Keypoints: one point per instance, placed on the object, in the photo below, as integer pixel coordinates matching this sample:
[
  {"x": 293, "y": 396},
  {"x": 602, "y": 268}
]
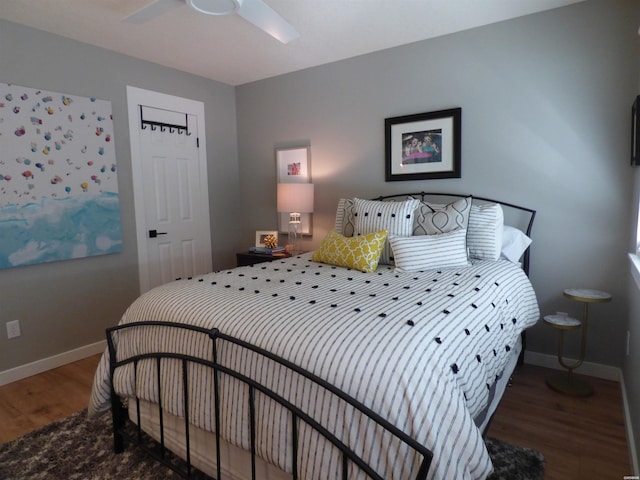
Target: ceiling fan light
[{"x": 215, "y": 7}]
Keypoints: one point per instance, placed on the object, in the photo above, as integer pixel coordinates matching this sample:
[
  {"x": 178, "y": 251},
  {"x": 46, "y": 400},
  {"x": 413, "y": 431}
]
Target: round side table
[{"x": 568, "y": 383}]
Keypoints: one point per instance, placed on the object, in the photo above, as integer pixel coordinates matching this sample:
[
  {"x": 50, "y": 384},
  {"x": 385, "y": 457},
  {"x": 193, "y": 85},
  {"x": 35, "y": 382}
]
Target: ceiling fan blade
[
  {"x": 265, "y": 18},
  {"x": 153, "y": 10}
]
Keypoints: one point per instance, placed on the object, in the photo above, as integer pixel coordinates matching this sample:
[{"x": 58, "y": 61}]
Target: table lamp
[{"x": 295, "y": 199}]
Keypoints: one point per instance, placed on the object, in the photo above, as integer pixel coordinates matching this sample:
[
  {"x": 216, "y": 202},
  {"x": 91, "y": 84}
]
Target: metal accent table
[{"x": 568, "y": 384}]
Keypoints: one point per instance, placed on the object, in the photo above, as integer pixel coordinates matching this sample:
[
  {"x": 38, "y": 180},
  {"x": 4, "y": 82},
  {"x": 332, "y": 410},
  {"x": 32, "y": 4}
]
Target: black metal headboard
[{"x": 529, "y": 213}]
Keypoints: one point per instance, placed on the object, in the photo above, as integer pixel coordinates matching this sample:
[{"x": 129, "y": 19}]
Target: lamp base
[{"x": 294, "y": 226}]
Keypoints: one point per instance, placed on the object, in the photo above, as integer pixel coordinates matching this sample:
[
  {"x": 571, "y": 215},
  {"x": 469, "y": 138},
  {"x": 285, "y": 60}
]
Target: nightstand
[{"x": 251, "y": 258}]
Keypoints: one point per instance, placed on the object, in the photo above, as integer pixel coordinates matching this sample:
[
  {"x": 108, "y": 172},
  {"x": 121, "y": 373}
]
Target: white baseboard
[
  {"x": 597, "y": 370},
  {"x": 39, "y": 366}
]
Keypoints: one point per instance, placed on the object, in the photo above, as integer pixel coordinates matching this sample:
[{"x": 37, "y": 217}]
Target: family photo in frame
[{"x": 423, "y": 146}]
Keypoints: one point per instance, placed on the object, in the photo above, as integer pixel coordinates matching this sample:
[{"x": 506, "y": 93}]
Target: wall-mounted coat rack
[{"x": 157, "y": 118}]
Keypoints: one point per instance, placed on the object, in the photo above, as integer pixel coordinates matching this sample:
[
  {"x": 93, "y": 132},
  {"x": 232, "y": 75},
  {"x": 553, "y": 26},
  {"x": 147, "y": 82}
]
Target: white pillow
[
  {"x": 484, "y": 236},
  {"x": 514, "y": 243},
  {"x": 395, "y": 217},
  {"x": 430, "y": 252}
]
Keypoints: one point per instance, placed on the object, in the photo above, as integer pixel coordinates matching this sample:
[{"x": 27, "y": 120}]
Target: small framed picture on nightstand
[{"x": 261, "y": 236}]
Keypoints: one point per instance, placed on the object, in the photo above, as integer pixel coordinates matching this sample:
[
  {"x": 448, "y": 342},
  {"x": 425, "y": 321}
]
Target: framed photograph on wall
[
  {"x": 293, "y": 167},
  {"x": 423, "y": 146},
  {"x": 635, "y": 117}
]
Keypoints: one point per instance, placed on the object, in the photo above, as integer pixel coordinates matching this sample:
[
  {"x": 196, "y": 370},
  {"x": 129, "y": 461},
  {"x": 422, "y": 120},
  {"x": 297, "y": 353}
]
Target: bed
[{"x": 379, "y": 355}]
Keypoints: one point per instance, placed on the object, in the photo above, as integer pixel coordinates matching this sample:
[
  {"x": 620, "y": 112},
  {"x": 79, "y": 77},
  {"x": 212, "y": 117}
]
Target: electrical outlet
[{"x": 13, "y": 329}]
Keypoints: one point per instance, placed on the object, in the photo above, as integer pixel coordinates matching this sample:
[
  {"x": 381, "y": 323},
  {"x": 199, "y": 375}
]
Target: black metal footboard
[{"x": 349, "y": 458}]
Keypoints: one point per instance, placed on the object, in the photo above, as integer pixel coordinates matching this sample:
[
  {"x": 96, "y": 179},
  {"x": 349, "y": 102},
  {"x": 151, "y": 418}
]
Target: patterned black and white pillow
[
  {"x": 394, "y": 217},
  {"x": 433, "y": 218},
  {"x": 484, "y": 236},
  {"x": 430, "y": 252}
]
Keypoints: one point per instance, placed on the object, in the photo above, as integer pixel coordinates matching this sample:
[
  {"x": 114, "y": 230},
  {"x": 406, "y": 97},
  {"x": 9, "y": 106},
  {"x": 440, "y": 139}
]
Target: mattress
[{"x": 421, "y": 349}]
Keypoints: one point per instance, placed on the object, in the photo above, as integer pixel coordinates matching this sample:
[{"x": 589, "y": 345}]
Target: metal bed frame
[
  {"x": 120, "y": 418},
  {"x": 349, "y": 457}
]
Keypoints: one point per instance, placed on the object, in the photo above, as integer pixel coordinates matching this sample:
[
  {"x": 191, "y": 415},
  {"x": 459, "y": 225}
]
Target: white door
[{"x": 170, "y": 188}]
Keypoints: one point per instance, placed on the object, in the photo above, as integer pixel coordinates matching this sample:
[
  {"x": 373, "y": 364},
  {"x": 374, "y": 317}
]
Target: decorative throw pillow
[
  {"x": 395, "y": 217},
  {"x": 345, "y": 222},
  {"x": 514, "y": 243},
  {"x": 433, "y": 218},
  {"x": 360, "y": 253},
  {"x": 484, "y": 236},
  {"x": 430, "y": 252}
]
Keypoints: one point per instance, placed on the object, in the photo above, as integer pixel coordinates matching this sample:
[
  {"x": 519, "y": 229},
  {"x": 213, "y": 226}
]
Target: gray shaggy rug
[{"x": 76, "y": 448}]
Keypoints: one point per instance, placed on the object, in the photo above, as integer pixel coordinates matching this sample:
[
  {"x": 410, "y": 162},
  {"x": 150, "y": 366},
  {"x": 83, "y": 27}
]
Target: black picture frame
[
  {"x": 635, "y": 123},
  {"x": 423, "y": 146}
]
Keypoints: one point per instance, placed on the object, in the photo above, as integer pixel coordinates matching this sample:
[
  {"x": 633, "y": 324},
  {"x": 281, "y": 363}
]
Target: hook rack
[{"x": 180, "y": 129}]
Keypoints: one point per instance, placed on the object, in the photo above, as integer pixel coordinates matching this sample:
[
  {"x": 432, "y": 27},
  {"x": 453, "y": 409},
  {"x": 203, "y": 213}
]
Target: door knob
[{"x": 155, "y": 233}]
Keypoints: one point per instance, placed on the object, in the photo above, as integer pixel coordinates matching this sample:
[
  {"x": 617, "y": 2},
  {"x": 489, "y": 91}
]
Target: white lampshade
[{"x": 295, "y": 197}]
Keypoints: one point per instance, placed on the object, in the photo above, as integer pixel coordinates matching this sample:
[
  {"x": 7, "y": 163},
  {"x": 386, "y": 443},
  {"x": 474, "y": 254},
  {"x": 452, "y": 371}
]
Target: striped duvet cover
[{"x": 421, "y": 349}]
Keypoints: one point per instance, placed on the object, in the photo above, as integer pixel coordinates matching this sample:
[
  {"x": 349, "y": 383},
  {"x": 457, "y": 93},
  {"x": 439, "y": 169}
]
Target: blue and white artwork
[{"x": 58, "y": 177}]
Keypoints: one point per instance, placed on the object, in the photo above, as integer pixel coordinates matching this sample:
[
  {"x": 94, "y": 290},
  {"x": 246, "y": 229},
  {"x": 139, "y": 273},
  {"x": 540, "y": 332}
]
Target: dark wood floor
[{"x": 581, "y": 438}]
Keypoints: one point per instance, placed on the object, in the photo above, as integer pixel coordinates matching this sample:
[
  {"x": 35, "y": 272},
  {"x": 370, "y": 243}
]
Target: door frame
[{"x": 135, "y": 97}]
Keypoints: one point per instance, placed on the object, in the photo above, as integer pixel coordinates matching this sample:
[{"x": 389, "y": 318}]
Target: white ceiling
[{"x": 231, "y": 50}]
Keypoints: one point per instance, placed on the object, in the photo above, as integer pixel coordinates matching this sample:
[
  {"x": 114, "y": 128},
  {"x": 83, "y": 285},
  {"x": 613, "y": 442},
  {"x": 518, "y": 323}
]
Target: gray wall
[
  {"x": 545, "y": 123},
  {"x": 66, "y": 305}
]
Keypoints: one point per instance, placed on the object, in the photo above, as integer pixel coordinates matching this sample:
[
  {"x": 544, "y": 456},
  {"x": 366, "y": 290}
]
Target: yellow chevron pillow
[{"x": 360, "y": 253}]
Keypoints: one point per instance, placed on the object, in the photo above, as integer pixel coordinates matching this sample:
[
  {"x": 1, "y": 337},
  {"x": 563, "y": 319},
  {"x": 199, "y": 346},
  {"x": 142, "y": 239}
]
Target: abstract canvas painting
[{"x": 58, "y": 177}]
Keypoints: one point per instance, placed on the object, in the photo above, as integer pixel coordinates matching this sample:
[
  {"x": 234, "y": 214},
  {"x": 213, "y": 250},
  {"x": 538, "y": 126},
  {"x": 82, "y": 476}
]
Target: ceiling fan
[{"x": 254, "y": 11}]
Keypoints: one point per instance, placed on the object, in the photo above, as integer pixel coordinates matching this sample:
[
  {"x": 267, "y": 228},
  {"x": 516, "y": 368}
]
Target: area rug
[
  {"x": 511, "y": 462},
  {"x": 76, "y": 448}
]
